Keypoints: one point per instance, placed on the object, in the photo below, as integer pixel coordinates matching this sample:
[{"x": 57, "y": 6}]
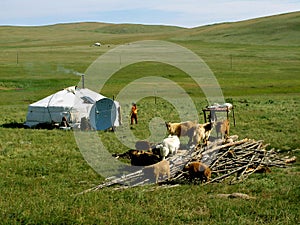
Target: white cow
[{"x": 170, "y": 145}]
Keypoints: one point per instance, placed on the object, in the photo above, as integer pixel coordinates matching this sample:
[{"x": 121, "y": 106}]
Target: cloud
[
  {"x": 187, "y": 13},
  {"x": 194, "y": 12}
]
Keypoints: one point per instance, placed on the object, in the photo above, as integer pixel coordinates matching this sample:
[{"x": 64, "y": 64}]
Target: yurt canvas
[{"x": 74, "y": 104}]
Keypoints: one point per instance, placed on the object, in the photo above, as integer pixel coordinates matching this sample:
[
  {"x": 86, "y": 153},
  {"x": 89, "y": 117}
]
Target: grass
[
  {"x": 43, "y": 170},
  {"x": 279, "y": 30}
]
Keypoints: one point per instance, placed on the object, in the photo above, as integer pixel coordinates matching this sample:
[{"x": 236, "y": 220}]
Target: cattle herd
[
  {"x": 177, "y": 160},
  {"x": 153, "y": 156}
]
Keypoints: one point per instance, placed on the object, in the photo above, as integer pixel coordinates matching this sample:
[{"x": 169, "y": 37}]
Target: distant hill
[
  {"x": 82, "y": 33},
  {"x": 281, "y": 29}
]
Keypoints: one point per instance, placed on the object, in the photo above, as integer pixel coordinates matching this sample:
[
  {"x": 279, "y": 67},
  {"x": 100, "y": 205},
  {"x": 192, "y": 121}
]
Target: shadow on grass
[
  {"x": 47, "y": 126},
  {"x": 13, "y": 125}
]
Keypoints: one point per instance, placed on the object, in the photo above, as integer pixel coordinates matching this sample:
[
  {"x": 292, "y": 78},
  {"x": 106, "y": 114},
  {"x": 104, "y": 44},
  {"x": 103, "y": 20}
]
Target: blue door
[{"x": 105, "y": 114}]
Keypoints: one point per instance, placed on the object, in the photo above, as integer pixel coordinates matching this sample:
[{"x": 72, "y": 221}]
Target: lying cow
[
  {"x": 182, "y": 129},
  {"x": 160, "y": 168},
  {"x": 198, "y": 170},
  {"x": 139, "y": 158},
  {"x": 169, "y": 146}
]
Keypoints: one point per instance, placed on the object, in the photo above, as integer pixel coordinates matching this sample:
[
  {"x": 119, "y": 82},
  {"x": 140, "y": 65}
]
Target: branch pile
[{"x": 235, "y": 161}]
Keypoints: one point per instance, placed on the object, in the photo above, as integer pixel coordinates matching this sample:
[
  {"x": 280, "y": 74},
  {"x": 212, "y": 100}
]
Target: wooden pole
[{"x": 233, "y": 115}]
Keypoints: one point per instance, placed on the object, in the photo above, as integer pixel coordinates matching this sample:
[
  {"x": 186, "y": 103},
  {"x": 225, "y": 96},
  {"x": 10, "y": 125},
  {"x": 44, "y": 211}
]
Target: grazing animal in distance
[
  {"x": 170, "y": 145},
  {"x": 160, "y": 168},
  {"x": 182, "y": 129},
  {"x": 223, "y": 127},
  {"x": 198, "y": 170}
]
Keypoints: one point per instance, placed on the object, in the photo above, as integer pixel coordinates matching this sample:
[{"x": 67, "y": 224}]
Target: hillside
[
  {"x": 240, "y": 54},
  {"x": 81, "y": 33},
  {"x": 281, "y": 29}
]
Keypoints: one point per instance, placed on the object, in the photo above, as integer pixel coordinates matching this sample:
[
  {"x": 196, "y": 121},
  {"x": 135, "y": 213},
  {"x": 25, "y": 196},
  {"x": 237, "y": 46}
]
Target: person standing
[{"x": 133, "y": 114}]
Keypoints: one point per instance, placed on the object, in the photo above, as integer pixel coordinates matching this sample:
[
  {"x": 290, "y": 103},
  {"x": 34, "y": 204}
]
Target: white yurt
[{"x": 75, "y": 104}]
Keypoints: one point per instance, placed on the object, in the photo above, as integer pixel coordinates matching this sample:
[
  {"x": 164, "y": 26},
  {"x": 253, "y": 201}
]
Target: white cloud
[{"x": 177, "y": 12}]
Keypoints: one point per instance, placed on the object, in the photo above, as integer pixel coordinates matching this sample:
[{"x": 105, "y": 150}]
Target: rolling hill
[
  {"x": 238, "y": 53},
  {"x": 281, "y": 29}
]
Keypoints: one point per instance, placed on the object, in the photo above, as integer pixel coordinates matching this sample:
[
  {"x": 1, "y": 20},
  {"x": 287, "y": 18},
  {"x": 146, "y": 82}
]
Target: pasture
[{"x": 42, "y": 171}]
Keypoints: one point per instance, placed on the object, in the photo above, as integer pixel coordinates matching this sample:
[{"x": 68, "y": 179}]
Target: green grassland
[{"x": 257, "y": 64}]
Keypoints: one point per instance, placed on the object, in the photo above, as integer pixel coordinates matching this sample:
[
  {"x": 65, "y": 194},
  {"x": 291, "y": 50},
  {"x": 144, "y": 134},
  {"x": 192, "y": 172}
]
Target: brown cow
[
  {"x": 182, "y": 129},
  {"x": 160, "y": 168},
  {"x": 198, "y": 170},
  {"x": 202, "y": 133},
  {"x": 223, "y": 128}
]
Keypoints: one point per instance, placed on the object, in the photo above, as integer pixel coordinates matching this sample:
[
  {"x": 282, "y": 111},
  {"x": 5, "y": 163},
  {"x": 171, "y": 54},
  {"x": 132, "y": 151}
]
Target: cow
[
  {"x": 182, "y": 129},
  {"x": 223, "y": 127},
  {"x": 202, "y": 133},
  {"x": 170, "y": 145},
  {"x": 139, "y": 158},
  {"x": 160, "y": 168},
  {"x": 198, "y": 170}
]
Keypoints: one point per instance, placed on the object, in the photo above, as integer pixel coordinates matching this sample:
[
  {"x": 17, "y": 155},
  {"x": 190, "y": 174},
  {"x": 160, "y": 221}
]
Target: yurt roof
[{"x": 67, "y": 97}]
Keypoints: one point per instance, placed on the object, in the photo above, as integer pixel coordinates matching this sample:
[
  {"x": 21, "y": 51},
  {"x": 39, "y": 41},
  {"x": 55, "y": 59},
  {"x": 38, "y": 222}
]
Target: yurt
[{"x": 75, "y": 105}]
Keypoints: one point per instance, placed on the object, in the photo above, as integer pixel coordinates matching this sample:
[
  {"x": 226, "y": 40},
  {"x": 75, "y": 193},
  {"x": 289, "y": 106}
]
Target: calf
[
  {"x": 182, "y": 129},
  {"x": 198, "y": 170},
  {"x": 160, "y": 168},
  {"x": 170, "y": 145},
  {"x": 223, "y": 128},
  {"x": 202, "y": 133}
]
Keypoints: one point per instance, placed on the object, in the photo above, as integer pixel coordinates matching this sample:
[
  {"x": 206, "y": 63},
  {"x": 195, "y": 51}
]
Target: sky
[{"x": 183, "y": 13}]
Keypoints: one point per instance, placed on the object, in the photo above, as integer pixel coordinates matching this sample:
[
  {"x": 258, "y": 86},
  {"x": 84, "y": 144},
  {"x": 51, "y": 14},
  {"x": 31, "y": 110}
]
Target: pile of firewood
[
  {"x": 233, "y": 161},
  {"x": 237, "y": 160}
]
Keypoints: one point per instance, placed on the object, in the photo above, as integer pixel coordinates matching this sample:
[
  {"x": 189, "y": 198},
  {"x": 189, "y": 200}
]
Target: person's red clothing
[{"x": 133, "y": 114}]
